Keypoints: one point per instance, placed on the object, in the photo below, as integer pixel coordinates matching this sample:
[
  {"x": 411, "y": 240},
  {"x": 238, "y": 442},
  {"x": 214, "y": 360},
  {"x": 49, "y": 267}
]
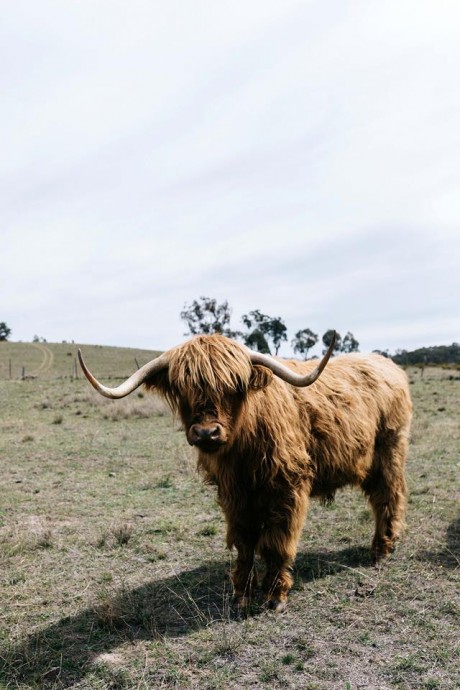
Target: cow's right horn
[{"x": 134, "y": 381}]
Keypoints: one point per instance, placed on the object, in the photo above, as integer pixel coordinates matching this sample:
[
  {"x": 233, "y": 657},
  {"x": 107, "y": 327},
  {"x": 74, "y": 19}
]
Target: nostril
[
  {"x": 204, "y": 433},
  {"x": 208, "y": 432}
]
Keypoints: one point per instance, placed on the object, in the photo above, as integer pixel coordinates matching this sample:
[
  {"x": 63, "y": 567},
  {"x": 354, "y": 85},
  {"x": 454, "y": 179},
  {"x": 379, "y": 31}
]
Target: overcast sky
[{"x": 297, "y": 157}]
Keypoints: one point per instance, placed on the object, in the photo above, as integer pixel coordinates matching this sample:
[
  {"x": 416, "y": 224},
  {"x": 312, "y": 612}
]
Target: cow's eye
[
  {"x": 185, "y": 409},
  {"x": 206, "y": 411}
]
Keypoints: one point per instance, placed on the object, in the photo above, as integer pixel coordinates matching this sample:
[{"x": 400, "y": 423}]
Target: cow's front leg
[
  {"x": 278, "y": 548},
  {"x": 244, "y": 576},
  {"x": 278, "y": 551}
]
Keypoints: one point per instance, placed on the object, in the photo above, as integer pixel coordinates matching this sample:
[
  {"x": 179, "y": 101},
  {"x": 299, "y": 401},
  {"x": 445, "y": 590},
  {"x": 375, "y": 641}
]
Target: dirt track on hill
[{"x": 47, "y": 361}]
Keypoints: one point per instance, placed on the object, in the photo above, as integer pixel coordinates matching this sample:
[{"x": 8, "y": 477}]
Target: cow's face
[
  {"x": 207, "y": 383},
  {"x": 213, "y": 423},
  {"x": 210, "y": 426}
]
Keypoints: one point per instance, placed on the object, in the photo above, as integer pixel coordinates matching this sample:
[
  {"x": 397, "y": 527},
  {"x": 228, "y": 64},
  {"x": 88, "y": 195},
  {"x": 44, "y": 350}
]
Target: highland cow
[{"x": 269, "y": 441}]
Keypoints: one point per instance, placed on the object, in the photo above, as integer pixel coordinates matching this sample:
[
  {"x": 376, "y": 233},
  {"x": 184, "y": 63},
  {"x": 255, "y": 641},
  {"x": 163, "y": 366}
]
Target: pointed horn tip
[
  {"x": 331, "y": 347},
  {"x": 80, "y": 359},
  {"x": 93, "y": 381}
]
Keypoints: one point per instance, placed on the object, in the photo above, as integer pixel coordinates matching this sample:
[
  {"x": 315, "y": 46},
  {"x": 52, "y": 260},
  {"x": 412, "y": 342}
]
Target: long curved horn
[
  {"x": 134, "y": 381},
  {"x": 287, "y": 374}
]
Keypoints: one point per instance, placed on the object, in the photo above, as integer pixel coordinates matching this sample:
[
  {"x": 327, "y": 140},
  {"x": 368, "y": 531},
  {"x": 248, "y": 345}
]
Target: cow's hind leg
[{"x": 386, "y": 490}]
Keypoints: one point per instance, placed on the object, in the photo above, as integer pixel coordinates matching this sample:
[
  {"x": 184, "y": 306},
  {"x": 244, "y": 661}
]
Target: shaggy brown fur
[{"x": 269, "y": 446}]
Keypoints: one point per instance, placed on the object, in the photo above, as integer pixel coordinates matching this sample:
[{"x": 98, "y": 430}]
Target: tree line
[
  {"x": 266, "y": 333},
  {"x": 438, "y": 354},
  {"x": 263, "y": 333}
]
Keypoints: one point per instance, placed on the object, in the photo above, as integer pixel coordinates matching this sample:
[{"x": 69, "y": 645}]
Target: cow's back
[{"x": 356, "y": 398}]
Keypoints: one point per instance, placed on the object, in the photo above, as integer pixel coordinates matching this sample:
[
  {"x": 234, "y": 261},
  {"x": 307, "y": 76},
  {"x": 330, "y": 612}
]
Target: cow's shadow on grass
[
  {"x": 316, "y": 565},
  {"x": 449, "y": 555},
  {"x": 61, "y": 654}
]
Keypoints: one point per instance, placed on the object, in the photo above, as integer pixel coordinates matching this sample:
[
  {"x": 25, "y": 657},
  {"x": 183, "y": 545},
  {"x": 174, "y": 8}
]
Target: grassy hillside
[
  {"x": 56, "y": 360},
  {"x": 113, "y": 568}
]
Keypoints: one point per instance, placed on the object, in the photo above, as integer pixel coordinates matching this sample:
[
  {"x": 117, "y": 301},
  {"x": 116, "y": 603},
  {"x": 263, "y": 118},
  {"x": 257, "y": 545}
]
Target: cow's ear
[
  {"x": 159, "y": 382},
  {"x": 260, "y": 377}
]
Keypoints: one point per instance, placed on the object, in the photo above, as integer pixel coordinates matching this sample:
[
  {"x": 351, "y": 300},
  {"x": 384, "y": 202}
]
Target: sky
[{"x": 297, "y": 157}]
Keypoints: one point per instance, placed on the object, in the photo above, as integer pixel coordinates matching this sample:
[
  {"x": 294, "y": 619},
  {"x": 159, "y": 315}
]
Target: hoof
[
  {"x": 276, "y": 605},
  {"x": 382, "y": 549},
  {"x": 241, "y": 602},
  {"x": 379, "y": 556}
]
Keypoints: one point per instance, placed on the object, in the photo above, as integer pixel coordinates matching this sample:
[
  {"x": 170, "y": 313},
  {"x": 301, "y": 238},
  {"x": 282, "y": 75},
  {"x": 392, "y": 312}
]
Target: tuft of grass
[
  {"x": 165, "y": 483},
  {"x": 122, "y": 533},
  {"x": 269, "y": 671},
  {"x": 43, "y": 404},
  {"x": 431, "y": 684},
  {"x": 136, "y": 408},
  {"x": 101, "y": 541},
  {"x": 45, "y": 539},
  {"x": 109, "y": 612},
  {"x": 287, "y": 659}
]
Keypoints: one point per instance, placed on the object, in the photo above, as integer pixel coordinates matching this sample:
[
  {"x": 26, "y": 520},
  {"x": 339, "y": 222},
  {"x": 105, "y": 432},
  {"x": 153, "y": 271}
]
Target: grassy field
[{"x": 114, "y": 572}]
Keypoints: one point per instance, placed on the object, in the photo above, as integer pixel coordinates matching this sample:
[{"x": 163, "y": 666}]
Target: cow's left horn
[
  {"x": 134, "y": 381},
  {"x": 287, "y": 374}
]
